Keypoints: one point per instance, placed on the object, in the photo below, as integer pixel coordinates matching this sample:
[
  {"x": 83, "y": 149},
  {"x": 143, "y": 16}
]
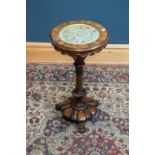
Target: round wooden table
[{"x": 79, "y": 39}]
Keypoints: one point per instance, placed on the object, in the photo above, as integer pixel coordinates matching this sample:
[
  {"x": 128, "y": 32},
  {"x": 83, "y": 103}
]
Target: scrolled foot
[
  {"x": 64, "y": 104},
  {"x": 78, "y": 111}
]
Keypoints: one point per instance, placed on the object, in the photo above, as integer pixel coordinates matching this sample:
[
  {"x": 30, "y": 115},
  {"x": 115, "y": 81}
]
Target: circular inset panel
[{"x": 79, "y": 34}]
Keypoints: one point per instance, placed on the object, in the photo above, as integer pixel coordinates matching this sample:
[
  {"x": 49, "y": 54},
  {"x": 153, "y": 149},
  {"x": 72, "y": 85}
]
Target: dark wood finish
[{"x": 79, "y": 108}]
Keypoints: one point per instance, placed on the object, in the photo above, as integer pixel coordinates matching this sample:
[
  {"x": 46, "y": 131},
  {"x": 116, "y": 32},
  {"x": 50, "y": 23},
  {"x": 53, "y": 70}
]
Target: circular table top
[{"x": 79, "y": 36}]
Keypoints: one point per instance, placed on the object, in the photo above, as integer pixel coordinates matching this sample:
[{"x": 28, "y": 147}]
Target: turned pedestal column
[{"x": 79, "y": 39}]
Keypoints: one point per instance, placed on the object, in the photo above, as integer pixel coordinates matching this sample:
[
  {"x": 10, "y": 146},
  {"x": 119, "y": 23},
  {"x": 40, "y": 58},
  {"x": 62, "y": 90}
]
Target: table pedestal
[{"x": 78, "y": 108}]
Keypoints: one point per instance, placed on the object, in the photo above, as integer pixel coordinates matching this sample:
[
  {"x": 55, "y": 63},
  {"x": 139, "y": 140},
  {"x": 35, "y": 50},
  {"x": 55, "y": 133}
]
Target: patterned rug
[{"x": 49, "y": 134}]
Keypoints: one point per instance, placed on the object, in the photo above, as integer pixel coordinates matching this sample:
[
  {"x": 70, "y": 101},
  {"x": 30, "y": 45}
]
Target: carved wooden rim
[{"x": 101, "y": 41}]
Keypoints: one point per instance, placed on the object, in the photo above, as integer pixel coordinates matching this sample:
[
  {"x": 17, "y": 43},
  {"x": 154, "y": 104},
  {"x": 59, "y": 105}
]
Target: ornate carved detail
[
  {"x": 78, "y": 109},
  {"x": 78, "y": 94}
]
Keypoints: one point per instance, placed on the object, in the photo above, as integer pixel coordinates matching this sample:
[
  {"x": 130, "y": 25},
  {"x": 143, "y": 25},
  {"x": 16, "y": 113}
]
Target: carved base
[{"x": 78, "y": 110}]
